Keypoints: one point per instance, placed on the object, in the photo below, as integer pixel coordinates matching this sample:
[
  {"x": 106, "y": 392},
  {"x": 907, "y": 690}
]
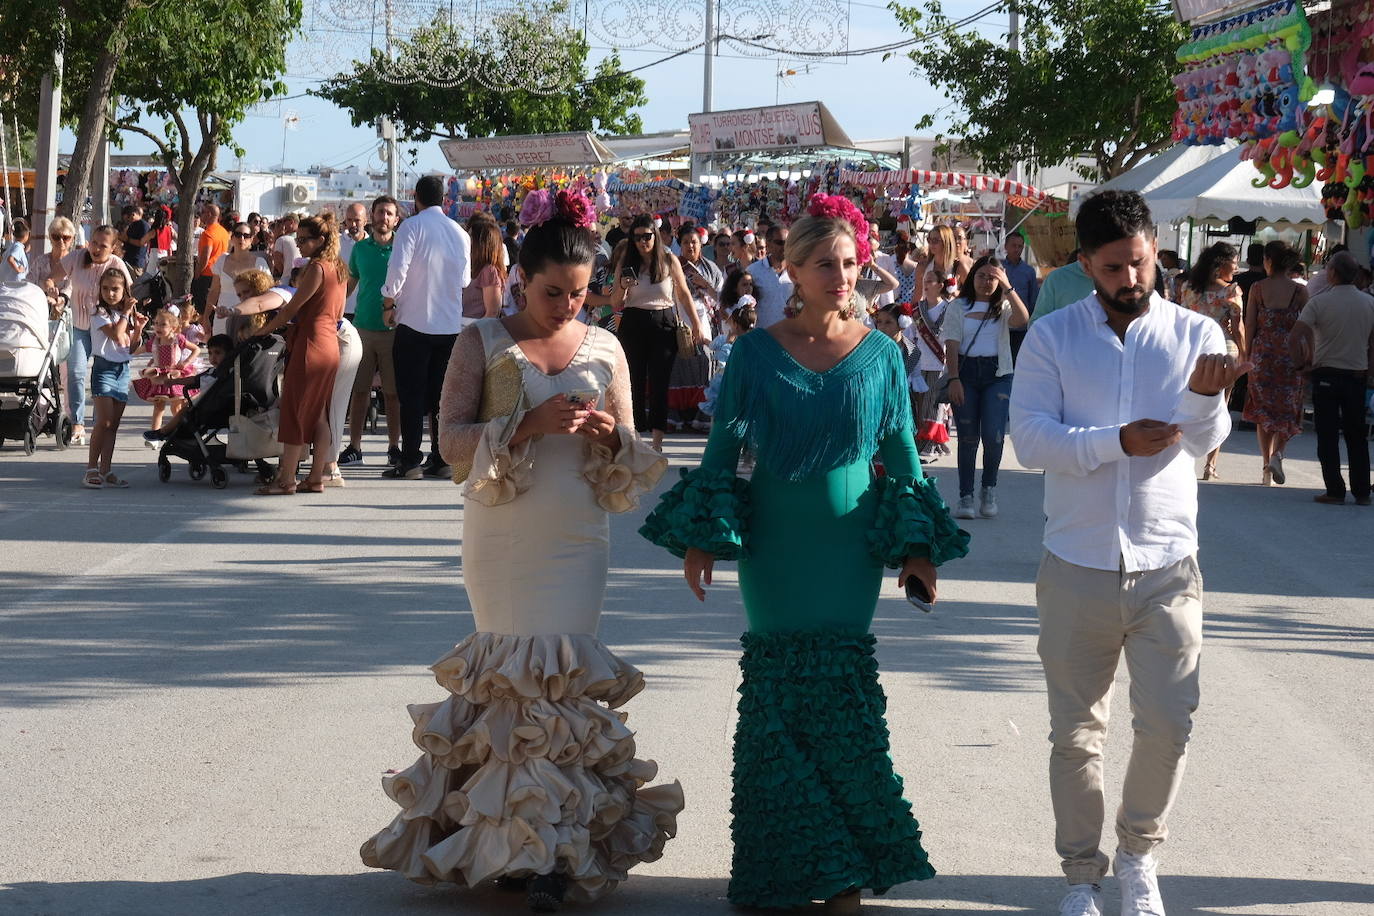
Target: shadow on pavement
[{"x": 642, "y": 895}]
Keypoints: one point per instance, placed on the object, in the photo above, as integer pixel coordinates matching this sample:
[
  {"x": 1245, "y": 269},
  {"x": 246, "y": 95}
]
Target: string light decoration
[{"x": 440, "y": 40}]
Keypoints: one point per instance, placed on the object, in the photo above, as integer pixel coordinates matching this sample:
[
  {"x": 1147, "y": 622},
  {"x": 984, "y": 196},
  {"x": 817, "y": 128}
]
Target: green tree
[
  {"x": 492, "y": 95},
  {"x": 1091, "y": 80},
  {"x": 198, "y": 72},
  {"x": 92, "y": 42}
]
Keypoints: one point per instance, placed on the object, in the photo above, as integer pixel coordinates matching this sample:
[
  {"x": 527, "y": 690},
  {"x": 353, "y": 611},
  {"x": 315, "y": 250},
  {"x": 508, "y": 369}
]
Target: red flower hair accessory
[
  {"x": 577, "y": 208},
  {"x": 905, "y": 309},
  {"x": 837, "y": 206}
]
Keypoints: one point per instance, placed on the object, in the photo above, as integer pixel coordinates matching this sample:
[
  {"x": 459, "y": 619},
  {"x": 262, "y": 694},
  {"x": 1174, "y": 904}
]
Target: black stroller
[{"x": 256, "y": 366}]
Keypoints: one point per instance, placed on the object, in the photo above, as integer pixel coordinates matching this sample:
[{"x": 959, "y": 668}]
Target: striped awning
[{"x": 927, "y": 178}]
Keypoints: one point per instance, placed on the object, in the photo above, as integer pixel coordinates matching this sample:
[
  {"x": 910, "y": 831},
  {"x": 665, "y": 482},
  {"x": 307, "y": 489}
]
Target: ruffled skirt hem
[
  {"x": 817, "y": 807},
  {"x": 525, "y": 772}
]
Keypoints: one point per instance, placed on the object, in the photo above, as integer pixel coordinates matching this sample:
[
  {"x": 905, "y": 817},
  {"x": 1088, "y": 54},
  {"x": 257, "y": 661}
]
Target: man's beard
[{"x": 1125, "y": 306}]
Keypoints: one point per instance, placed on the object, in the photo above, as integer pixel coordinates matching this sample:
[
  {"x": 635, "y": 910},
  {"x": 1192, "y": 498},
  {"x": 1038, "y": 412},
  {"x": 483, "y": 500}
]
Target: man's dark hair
[
  {"x": 221, "y": 342},
  {"x": 384, "y": 199},
  {"x": 1111, "y": 216},
  {"x": 1254, "y": 255},
  {"x": 1343, "y": 267},
  {"x": 429, "y": 191}
]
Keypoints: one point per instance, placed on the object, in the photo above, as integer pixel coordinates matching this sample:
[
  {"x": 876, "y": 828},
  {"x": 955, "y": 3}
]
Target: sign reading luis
[
  {"x": 776, "y": 127},
  {"x": 525, "y": 152}
]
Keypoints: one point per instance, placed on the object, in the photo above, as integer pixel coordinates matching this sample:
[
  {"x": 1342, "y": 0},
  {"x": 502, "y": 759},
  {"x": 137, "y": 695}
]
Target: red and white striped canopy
[{"x": 929, "y": 179}]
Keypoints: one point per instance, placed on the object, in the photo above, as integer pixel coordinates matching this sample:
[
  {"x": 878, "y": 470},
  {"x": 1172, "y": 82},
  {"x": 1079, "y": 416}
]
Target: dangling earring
[{"x": 794, "y": 305}]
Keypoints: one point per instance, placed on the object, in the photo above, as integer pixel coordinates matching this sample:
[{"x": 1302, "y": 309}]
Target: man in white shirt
[
  {"x": 355, "y": 221},
  {"x": 772, "y": 285},
  {"x": 285, "y": 251},
  {"x": 1116, "y": 396},
  {"x": 422, "y": 299}
]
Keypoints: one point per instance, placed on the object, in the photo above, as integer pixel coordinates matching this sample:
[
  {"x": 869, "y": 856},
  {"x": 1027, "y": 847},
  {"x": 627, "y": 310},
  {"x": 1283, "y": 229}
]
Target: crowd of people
[{"x": 543, "y": 365}]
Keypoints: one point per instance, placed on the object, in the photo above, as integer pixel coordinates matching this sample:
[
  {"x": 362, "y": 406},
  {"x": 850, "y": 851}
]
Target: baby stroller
[
  {"x": 247, "y": 383},
  {"x": 30, "y": 350}
]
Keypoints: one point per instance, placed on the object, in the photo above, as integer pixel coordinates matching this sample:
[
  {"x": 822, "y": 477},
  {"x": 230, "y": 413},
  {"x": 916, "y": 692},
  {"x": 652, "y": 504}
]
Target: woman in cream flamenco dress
[{"x": 528, "y": 770}]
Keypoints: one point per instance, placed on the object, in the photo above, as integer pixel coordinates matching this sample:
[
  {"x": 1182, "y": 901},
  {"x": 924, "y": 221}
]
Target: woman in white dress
[
  {"x": 239, "y": 258},
  {"x": 527, "y": 771}
]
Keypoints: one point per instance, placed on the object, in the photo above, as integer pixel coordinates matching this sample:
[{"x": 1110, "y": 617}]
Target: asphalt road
[{"x": 200, "y": 690}]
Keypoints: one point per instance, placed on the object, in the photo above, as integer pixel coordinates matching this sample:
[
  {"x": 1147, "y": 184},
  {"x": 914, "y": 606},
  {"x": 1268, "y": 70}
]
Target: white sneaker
[
  {"x": 1082, "y": 900},
  {"x": 987, "y": 504},
  {"x": 965, "y": 508},
  {"x": 1139, "y": 885}
]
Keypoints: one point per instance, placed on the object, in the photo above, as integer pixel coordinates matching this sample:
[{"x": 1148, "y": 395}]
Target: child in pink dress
[{"x": 172, "y": 354}]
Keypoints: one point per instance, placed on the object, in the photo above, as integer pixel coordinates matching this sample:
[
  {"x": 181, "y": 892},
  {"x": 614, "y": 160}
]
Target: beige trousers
[{"x": 1087, "y": 617}]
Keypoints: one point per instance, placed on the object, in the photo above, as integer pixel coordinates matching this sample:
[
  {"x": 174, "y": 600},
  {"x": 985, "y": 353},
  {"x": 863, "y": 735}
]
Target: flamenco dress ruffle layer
[
  {"x": 817, "y": 807},
  {"x": 525, "y": 772}
]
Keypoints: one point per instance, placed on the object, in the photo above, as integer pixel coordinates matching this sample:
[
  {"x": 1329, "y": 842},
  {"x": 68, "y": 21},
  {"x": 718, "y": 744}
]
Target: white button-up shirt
[
  {"x": 1077, "y": 384},
  {"x": 427, "y": 272},
  {"x": 772, "y": 290}
]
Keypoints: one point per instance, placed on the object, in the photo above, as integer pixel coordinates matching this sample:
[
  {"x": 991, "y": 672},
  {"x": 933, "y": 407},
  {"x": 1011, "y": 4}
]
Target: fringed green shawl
[{"x": 800, "y": 423}]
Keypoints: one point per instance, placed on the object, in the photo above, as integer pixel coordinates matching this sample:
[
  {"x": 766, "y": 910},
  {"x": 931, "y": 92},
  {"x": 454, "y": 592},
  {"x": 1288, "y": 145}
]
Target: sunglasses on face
[
  {"x": 243, "y": 235},
  {"x": 643, "y": 236},
  {"x": 62, "y": 238}
]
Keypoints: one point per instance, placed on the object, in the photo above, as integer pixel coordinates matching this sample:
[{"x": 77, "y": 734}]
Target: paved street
[{"x": 200, "y": 691}]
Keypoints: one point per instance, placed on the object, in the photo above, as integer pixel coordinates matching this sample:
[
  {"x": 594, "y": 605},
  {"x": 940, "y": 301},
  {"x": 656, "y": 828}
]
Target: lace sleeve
[
  {"x": 618, "y": 401},
  {"x": 459, "y": 431},
  {"x": 618, "y": 479}
]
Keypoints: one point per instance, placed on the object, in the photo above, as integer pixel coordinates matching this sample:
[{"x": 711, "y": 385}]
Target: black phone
[
  {"x": 918, "y": 594},
  {"x": 629, "y": 272}
]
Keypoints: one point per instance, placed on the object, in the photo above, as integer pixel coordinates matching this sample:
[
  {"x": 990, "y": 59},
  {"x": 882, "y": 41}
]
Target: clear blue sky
[{"x": 869, "y": 97}]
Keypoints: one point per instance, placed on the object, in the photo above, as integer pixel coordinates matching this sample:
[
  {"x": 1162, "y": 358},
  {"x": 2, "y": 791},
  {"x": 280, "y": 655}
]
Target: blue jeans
[
  {"x": 78, "y": 359},
  {"x": 983, "y": 416}
]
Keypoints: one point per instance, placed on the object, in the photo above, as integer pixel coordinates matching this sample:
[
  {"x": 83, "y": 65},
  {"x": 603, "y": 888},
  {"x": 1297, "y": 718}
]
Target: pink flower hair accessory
[
  {"x": 539, "y": 207},
  {"x": 837, "y": 206}
]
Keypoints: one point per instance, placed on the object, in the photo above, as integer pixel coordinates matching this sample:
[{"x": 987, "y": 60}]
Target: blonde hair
[
  {"x": 326, "y": 227},
  {"x": 945, "y": 264},
  {"x": 189, "y": 315},
  {"x": 808, "y": 234},
  {"x": 258, "y": 280},
  {"x": 64, "y": 225}
]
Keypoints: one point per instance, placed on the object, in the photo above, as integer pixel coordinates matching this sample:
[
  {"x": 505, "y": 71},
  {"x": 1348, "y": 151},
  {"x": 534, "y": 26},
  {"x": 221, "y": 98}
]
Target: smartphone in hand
[{"x": 918, "y": 594}]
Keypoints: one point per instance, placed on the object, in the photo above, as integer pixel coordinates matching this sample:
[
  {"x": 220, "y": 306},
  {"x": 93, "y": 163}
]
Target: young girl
[
  {"x": 173, "y": 355},
  {"x": 926, "y": 332},
  {"x": 739, "y": 322},
  {"x": 116, "y": 329}
]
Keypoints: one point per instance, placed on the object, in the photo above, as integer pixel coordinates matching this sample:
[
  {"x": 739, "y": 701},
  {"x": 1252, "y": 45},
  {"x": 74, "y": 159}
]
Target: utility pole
[
  {"x": 9, "y": 214},
  {"x": 709, "y": 70},
  {"x": 393, "y": 178},
  {"x": 45, "y": 166}
]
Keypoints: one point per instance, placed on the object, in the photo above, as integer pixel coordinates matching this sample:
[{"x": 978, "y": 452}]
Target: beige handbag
[
  {"x": 686, "y": 340},
  {"x": 251, "y": 437},
  {"x": 503, "y": 394}
]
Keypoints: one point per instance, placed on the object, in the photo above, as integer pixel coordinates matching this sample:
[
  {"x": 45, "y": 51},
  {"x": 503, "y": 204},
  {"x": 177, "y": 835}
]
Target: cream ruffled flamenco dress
[{"x": 528, "y": 767}]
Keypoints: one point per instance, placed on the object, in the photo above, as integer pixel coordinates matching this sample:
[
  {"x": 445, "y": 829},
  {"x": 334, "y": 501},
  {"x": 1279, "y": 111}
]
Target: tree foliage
[
  {"x": 1091, "y": 80},
  {"x": 170, "y": 74},
  {"x": 521, "y": 49}
]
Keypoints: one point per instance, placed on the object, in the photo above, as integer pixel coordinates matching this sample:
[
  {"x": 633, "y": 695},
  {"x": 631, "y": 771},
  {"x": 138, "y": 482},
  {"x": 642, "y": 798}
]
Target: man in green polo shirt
[
  {"x": 367, "y": 270},
  {"x": 1063, "y": 287}
]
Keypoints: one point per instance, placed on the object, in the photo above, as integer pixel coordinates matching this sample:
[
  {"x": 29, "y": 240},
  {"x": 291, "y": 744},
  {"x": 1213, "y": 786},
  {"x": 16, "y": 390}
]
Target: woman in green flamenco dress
[{"x": 818, "y": 812}]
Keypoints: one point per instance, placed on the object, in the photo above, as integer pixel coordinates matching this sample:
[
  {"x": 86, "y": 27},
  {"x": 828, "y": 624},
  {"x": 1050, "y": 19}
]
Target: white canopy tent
[
  {"x": 1173, "y": 163},
  {"x": 1222, "y": 189}
]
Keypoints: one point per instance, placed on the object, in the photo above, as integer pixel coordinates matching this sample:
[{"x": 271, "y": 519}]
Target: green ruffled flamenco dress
[{"x": 817, "y": 808}]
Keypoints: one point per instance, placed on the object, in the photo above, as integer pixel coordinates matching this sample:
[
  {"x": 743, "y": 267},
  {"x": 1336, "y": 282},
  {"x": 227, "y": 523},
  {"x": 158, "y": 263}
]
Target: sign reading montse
[
  {"x": 530, "y": 151},
  {"x": 775, "y": 127}
]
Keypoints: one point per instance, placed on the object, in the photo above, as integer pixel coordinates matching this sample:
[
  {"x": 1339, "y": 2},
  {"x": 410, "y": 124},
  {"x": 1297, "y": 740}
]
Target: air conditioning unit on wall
[{"x": 297, "y": 194}]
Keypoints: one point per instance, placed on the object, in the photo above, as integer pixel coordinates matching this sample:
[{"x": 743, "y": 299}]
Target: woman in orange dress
[{"x": 313, "y": 356}]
